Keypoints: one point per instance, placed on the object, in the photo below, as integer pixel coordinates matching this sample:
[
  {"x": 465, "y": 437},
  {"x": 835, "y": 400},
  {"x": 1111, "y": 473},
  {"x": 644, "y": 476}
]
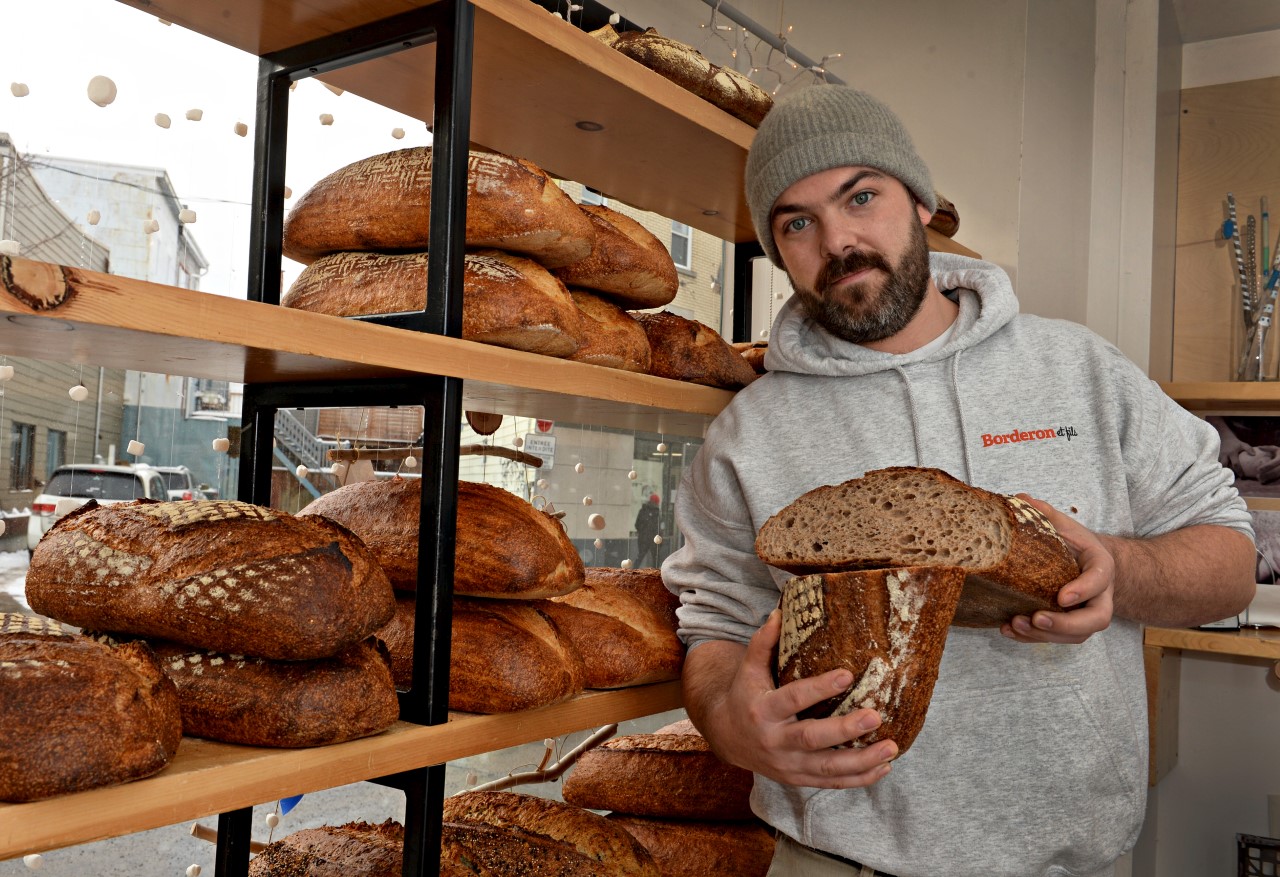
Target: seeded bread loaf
[
  {"x": 669, "y": 776},
  {"x": 76, "y": 714},
  {"x": 611, "y": 337},
  {"x": 623, "y": 622},
  {"x": 383, "y": 203},
  {"x": 904, "y": 516},
  {"x": 587, "y": 833},
  {"x": 507, "y": 300},
  {"x": 687, "y": 848},
  {"x": 216, "y": 574},
  {"x": 357, "y": 849},
  {"x": 505, "y": 548},
  {"x": 628, "y": 265},
  {"x": 888, "y": 627},
  {"x": 686, "y": 350},
  {"x": 288, "y": 704}
]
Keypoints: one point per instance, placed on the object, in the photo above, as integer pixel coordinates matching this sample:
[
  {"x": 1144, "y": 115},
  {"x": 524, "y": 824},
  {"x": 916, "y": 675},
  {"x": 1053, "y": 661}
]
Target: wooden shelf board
[
  {"x": 1225, "y": 396},
  {"x": 1247, "y": 642},
  {"x": 534, "y": 78},
  {"x": 206, "y": 777},
  {"x": 123, "y": 323}
]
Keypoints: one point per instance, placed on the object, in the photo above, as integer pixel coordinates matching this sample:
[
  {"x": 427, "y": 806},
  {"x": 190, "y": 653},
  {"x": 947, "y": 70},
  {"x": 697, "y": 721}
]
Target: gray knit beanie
[{"x": 822, "y": 127}]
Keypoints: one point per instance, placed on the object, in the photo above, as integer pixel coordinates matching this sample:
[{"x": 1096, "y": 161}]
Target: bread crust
[
  {"x": 685, "y": 848},
  {"x": 76, "y": 714},
  {"x": 887, "y": 627},
  {"x": 216, "y": 574},
  {"x": 383, "y": 203},
  {"x": 1034, "y": 566},
  {"x": 507, "y": 300},
  {"x": 687, "y": 350},
  {"x": 611, "y": 337},
  {"x": 505, "y": 548},
  {"x": 628, "y": 265},
  {"x": 357, "y": 849},
  {"x": 670, "y": 776}
]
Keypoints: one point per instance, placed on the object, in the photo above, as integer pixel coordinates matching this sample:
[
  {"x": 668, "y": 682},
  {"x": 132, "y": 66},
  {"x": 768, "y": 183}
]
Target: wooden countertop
[{"x": 1248, "y": 642}]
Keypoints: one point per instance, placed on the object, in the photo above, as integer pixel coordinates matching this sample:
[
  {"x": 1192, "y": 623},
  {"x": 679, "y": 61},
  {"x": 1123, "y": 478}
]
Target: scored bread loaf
[
  {"x": 753, "y": 352},
  {"x": 217, "y": 574},
  {"x": 504, "y": 547},
  {"x": 687, "y": 848},
  {"x": 887, "y": 627},
  {"x": 384, "y": 203},
  {"x": 611, "y": 337},
  {"x": 287, "y": 704},
  {"x": 670, "y": 776},
  {"x": 587, "y": 833},
  {"x": 945, "y": 219},
  {"x": 624, "y": 621},
  {"x": 357, "y": 849},
  {"x": 687, "y": 350},
  {"x": 906, "y": 516},
  {"x": 76, "y": 714},
  {"x": 724, "y": 87},
  {"x": 628, "y": 265},
  {"x": 507, "y": 300}
]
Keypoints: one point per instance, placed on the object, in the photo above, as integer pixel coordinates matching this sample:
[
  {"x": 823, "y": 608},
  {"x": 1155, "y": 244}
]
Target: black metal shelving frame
[{"x": 449, "y": 24}]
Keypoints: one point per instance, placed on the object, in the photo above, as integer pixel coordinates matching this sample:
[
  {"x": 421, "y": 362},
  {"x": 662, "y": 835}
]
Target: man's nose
[{"x": 838, "y": 238}]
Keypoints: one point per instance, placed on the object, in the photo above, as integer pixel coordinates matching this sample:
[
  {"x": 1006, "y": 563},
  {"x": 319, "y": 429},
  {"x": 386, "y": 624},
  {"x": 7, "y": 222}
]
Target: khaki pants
[{"x": 790, "y": 859}]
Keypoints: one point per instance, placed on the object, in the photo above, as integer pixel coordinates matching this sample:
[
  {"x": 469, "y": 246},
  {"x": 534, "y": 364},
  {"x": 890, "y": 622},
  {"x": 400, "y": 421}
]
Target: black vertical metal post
[
  {"x": 234, "y": 834},
  {"x": 257, "y": 439},
  {"x": 270, "y": 144},
  {"x": 742, "y": 256}
]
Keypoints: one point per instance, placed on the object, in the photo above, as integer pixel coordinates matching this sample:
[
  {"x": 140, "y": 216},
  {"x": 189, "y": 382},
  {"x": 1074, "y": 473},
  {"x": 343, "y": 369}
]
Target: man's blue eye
[
  {"x": 862, "y": 198},
  {"x": 797, "y": 224}
]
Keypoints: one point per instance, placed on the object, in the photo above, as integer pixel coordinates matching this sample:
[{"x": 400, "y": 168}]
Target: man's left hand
[{"x": 1089, "y": 597}]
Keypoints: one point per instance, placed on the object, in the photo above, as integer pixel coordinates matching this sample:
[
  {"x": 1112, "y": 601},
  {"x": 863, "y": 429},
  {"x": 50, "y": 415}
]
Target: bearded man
[{"x": 1033, "y": 758}]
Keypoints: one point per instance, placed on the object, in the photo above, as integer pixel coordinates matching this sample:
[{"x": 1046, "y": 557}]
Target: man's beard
[{"x": 860, "y": 313}]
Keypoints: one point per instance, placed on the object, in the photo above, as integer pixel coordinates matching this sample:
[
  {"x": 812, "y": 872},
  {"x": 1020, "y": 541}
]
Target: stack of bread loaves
[
  {"x": 541, "y": 273},
  {"x": 682, "y": 803},
  {"x": 499, "y": 834},
  {"x": 263, "y": 621}
]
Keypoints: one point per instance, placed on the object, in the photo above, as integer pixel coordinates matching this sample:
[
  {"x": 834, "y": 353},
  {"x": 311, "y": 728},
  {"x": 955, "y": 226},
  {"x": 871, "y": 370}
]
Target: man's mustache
[{"x": 855, "y": 260}]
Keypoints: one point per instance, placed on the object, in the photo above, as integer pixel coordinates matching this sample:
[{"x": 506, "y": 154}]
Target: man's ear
[{"x": 923, "y": 213}]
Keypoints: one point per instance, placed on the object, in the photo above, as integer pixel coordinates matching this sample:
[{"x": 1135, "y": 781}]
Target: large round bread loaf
[
  {"x": 670, "y": 776},
  {"x": 887, "y": 627},
  {"x": 76, "y": 714},
  {"x": 611, "y": 337},
  {"x": 357, "y": 849},
  {"x": 906, "y": 516},
  {"x": 505, "y": 547},
  {"x": 507, "y": 300},
  {"x": 628, "y": 265},
  {"x": 608, "y": 844},
  {"x": 384, "y": 203},
  {"x": 256, "y": 702},
  {"x": 685, "y": 848},
  {"x": 216, "y": 574},
  {"x": 624, "y": 620},
  {"x": 687, "y": 350}
]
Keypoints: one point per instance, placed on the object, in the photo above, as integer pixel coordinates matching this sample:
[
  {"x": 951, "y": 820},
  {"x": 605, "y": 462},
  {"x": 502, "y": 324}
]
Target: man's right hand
[{"x": 731, "y": 698}]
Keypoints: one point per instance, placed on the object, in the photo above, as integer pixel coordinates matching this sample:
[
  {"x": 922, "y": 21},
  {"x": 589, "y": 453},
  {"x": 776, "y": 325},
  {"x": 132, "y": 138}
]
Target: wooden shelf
[
  {"x": 206, "y": 778},
  {"x": 1247, "y": 642},
  {"x": 122, "y": 323},
  {"x": 1225, "y": 396}
]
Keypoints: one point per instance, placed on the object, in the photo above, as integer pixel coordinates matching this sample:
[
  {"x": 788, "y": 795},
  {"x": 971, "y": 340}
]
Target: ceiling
[{"x": 1201, "y": 20}]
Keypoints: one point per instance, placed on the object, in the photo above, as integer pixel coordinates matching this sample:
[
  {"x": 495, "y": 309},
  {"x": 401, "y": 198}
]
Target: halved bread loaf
[
  {"x": 905, "y": 516},
  {"x": 888, "y": 627}
]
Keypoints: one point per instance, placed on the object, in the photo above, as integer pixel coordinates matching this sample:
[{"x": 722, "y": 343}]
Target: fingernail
[
  {"x": 842, "y": 681},
  {"x": 1020, "y": 624},
  {"x": 1070, "y": 599},
  {"x": 869, "y": 721},
  {"x": 1043, "y": 621},
  {"x": 889, "y": 752}
]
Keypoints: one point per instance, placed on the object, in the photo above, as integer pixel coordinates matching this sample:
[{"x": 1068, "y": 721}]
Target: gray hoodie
[{"x": 1033, "y": 758}]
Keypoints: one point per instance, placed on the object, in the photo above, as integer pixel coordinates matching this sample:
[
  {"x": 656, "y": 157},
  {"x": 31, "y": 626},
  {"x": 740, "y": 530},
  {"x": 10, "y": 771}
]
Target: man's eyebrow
[{"x": 849, "y": 184}]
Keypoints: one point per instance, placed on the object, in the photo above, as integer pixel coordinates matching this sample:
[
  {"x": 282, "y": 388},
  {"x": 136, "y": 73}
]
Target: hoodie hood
[{"x": 800, "y": 345}]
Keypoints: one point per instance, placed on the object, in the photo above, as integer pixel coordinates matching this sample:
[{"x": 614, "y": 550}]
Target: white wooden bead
[
  {"x": 397, "y": 133},
  {"x": 662, "y": 447},
  {"x": 19, "y": 89},
  {"x": 599, "y": 543},
  {"x": 326, "y": 118},
  {"x": 163, "y": 120},
  {"x": 221, "y": 445},
  {"x": 411, "y": 462},
  {"x": 6, "y": 372},
  {"x": 136, "y": 447},
  {"x": 542, "y": 484},
  {"x": 579, "y": 468},
  {"x": 102, "y": 90},
  {"x": 632, "y": 475},
  {"x": 301, "y": 472},
  {"x": 94, "y": 217},
  {"x": 615, "y": 18},
  {"x": 596, "y": 521},
  {"x": 272, "y": 820},
  {"x": 151, "y": 226},
  {"x": 288, "y": 193},
  {"x": 241, "y": 129},
  {"x": 195, "y": 115},
  {"x": 626, "y": 564},
  {"x": 34, "y": 861},
  {"x": 79, "y": 392},
  {"x": 657, "y": 540},
  {"x": 519, "y": 443},
  {"x": 586, "y": 500},
  {"x": 186, "y": 216},
  {"x": 193, "y": 871}
]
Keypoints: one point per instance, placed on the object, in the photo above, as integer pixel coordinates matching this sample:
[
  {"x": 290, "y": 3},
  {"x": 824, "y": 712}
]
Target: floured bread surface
[
  {"x": 888, "y": 627},
  {"x": 217, "y": 574},
  {"x": 383, "y": 203},
  {"x": 76, "y": 714},
  {"x": 907, "y": 516}
]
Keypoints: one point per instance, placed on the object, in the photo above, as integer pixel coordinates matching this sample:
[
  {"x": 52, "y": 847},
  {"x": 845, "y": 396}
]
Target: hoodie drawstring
[
  {"x": 964, "y": 438},
  {"x": 915, "y": 419}
]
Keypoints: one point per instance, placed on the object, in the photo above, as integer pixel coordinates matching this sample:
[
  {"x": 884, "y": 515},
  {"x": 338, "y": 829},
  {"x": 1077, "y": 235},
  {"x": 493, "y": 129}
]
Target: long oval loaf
[
  {"x": 888, "y": 627},
  {"x": 611, "y": 337},
  {"x": 384, "y": 203},
  {"x": 76, "y": 714},
  {"x": 507, "y": 300},
  {"x": 217, "y": 574},
  {"x": 688, "y": 848},
  {"x": 906, "y": 516},
  {"x": 628, "y": 265}
]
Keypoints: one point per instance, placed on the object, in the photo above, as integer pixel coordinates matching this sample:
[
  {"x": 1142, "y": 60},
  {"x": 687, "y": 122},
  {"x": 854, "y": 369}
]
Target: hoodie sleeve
[{"x": 725, "y": 591}]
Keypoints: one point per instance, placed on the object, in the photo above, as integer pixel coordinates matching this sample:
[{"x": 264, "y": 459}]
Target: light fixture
[
  {"x": 711, "y": 213},
  {"x": 586, "y": 125}
]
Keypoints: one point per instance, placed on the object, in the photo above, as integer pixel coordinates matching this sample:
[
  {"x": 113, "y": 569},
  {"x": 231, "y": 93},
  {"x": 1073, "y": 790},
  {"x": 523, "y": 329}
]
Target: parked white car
[
  {"x": 70, "y": 487},
  {"x": 179, "y": 482}
]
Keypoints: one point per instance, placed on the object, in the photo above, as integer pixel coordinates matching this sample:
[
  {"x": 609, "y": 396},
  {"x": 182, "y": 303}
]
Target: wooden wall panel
[{"x": 1229, "y": 141}]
